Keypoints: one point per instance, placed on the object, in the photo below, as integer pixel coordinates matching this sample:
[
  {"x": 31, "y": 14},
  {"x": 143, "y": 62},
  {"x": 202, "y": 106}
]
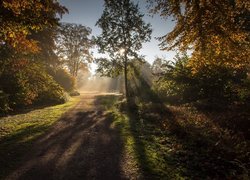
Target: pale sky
[{"x": 87, "y": 12}]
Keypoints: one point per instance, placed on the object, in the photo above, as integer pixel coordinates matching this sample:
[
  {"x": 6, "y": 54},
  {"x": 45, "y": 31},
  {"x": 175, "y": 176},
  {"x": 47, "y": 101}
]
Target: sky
[{"x": 87, "y": 12}]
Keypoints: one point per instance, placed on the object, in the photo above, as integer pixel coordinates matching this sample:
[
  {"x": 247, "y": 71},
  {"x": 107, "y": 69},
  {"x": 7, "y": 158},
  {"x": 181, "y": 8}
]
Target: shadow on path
[{"x": 82, "y": 145}]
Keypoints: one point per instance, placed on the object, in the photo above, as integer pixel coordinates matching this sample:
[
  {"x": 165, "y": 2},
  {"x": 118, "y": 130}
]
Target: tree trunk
[{"x": 126, "y": 77}]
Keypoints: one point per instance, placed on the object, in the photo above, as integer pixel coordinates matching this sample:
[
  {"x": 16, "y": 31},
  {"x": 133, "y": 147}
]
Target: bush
[
  {"x": 74, "y": 93},
  {"x": 175, "y": 82},
  {"x": 28, "y": 83},
  {"x": 52, "y": 94},
  {"x": 4, "y": 103},
  {"x": 243, "y": 91},
  {"x": 63, "y": 78},
  {"x": 213, "y": 83}
]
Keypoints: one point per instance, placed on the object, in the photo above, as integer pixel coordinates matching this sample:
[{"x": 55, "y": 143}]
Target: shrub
[
  {"x": 74, "y": 93},
  {"x": 4, "y": 103},
  {"x": 63, "y": 78},
  {"x": 243, "y": 91},
  {"x": 213, "y": 83},
  {"x": 52, "y": 97},
  {"x": 53, "y": 93},
  {"x": 28, "y": 83}
]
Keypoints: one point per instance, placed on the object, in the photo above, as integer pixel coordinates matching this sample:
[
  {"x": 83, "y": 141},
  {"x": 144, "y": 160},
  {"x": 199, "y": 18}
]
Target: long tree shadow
[
  {"x": 14, "y": 147},
  {"x": 167, "y": 149},
  {"x": 146, "y": 111},
  {"x": 82, "y": 145},
  {"x": 24, "y": 110}
]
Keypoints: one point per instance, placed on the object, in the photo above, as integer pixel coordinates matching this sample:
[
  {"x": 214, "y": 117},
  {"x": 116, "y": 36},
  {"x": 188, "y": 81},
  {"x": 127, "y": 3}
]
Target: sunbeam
[{"x": 99, "y": 84}]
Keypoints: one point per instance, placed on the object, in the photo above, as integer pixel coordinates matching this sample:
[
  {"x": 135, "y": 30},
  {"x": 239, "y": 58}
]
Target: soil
[{"x": 83, "y": 144}]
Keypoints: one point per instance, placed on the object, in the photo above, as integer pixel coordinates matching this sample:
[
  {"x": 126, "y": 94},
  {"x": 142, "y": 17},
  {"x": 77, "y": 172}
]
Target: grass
[
  {"x": 181, "y": 141},
  {"x": 144, "y": 143},
  {"x": 161, "y": 141},
  {"x": 113, "y": 104},
  {"x": 184, "y": 142},
  {"x": 18, "y": 132},
  {"x": 181, "y": 144},
  {"x": 107, "y": 102},
  {"x": 142, "y": 149}
]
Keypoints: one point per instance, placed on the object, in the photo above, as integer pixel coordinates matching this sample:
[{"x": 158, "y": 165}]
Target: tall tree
[
  {"x": 21, "y": 21},
  {"x": 20, "y": 18},
  {"x": 217, "y": 31},
  {"x": 123, "y": 32},
  {"x": 26, "y": 39},
  {"x": 46, "y": 40},
  {"x": 73, "y": 46}
]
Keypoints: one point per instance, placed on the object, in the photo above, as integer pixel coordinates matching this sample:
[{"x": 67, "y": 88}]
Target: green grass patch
[
  {"x": 18, "y": 132},
  {"x": 180, "y": 143},
  {"x": 145, "y": 143},
  {"x": 107, "y": 102}
]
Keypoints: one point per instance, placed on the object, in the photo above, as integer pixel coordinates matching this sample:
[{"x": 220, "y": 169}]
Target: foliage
[
  {"x": 63, "y": 78},
  {"x": 27, "y": 35},
  {"x": 74, "y": 93},
  {"x": 213, "y": 83},
  {"x": 27, "y": 82},
  {"x": 123, "y": 32},
  {"x": 4, "y": 103},
  {"x": 216, "y": 31},
  {"x": 20, "y": 18},
  {"x": 157, "y": 66},
  {"x": 243, "y": 90},
  {"x": 47, "y": 47},
  {"x": 73, "y": 46}
]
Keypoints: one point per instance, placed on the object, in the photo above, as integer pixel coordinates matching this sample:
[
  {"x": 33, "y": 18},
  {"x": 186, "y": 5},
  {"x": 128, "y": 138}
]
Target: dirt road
[{"x": 81, "y": 145}]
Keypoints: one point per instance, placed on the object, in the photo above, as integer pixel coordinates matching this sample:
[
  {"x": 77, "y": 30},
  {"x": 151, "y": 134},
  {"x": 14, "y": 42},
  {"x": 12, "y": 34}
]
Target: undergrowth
[{"x": 180, "y": 142}]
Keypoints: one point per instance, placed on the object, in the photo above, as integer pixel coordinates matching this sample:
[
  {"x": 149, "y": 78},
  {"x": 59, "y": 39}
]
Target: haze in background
[
  {"x": 89, "y": 82},
  {"x": 87, "y": 12}
]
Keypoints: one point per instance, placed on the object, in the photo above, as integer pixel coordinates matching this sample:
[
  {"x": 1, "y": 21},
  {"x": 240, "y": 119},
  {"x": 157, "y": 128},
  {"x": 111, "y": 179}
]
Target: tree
[
  {"x": 216, "y": 31},
  {"x": 157, "y": 66},
  {"x": 26, "y": 43},
  {"x": 22, "y": 21},
  {"x": 20, "y": 18},
  {"x": 47, "y": 47},
  {"x": 73, "y": 46},
  {"x": 123, "y": 32},
  {"x": 216, "y": 84}
]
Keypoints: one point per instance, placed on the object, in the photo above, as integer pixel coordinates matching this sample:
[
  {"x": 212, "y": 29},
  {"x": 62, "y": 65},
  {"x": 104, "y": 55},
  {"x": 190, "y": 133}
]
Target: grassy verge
[
  {"x": 113, "y": 104},
  {"x": 139, "y": 148},
  {"x": 18, "y": 132},
  {"x": 146, "y": 144},
  {"x": 147, "y": 147},
  {"x": 178, "y": 142}
]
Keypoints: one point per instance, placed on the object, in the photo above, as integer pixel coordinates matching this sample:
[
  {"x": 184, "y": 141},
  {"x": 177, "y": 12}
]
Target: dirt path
[{"x": 82, "y": 145}]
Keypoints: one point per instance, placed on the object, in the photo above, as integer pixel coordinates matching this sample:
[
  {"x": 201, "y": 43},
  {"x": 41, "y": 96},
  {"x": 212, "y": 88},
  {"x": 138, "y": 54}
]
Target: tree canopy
[
  {"x": 20, "y": 18},
  {"x": 27, "y": 35},
  {"x": 123, "y": 32},
  {"x": 216, "y": 31},
  {"x": 73, "y": 46}
]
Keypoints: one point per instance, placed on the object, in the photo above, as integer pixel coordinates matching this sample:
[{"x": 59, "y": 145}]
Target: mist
[{"x": 100, "y": 84}]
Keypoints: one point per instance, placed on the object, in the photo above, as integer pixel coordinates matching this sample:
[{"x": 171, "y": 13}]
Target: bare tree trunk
[{"x": 126, "y": 77}]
